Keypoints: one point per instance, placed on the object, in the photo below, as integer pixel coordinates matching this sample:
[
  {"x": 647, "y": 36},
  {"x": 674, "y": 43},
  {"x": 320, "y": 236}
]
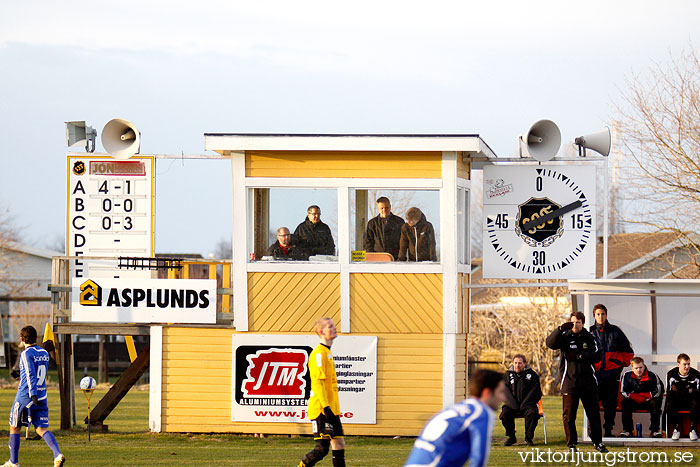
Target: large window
[
  {"x": 286, "y": 210},
  {"x": 373, "y": 231}
]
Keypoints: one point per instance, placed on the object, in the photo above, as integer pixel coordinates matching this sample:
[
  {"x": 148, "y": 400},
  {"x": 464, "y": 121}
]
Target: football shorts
[
  {"x": 327, "y": 429},
  {"x": 24, "y": 412}
]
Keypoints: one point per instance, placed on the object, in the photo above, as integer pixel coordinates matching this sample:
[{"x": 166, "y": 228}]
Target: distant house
[
  {"x": 24, "y": 296},
  {"x": 630, "y": 256}
]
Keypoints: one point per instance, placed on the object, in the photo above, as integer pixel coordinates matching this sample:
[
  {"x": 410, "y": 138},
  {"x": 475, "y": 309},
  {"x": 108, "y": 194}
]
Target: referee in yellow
[{"x": 324, "y": 408}]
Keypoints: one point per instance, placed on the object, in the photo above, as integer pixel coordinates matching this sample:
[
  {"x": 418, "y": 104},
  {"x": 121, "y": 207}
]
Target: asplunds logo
[
  {"x": 91, "y": 294},
  {"x": 269, "y": 375}
]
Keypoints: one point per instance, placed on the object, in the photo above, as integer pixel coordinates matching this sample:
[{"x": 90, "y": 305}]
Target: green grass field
[{"x": 129, "y": 443}]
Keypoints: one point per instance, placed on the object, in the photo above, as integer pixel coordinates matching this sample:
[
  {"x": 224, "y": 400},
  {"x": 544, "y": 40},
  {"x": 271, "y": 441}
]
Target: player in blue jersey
[
  {"x": 30, "y": 405},
  {"x": 462, "y": 432}
]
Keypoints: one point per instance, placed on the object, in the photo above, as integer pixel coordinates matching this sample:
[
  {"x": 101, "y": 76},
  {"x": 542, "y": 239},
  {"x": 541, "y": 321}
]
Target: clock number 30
[{"x": 538, "y": 258}]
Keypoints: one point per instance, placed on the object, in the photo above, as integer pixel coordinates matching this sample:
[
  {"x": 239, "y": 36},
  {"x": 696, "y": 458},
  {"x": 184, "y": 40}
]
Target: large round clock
[{"x": 539, "y": 222}]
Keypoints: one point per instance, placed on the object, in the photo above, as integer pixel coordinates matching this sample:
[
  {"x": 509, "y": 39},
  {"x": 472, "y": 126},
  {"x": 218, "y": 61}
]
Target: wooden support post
[
  {"x": 65, "y": 381},
  {"x": 360, "y": 218},
  {"x": 119, "y": 390},
  {"x": 261, "y": 221},
  {"x": 102, "y": 361}
]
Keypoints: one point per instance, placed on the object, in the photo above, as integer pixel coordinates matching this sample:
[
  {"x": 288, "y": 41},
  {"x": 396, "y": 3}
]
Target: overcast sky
[{"x": 490, "y": 68}]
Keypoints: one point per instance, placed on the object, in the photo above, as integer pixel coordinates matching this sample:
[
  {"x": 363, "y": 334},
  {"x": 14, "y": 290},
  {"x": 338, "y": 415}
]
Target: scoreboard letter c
[{"x": 74, "y": 224}]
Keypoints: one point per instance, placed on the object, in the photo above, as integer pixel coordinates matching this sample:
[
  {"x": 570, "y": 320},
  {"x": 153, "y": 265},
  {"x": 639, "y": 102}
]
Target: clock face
[{"x": 539, "y": 222}]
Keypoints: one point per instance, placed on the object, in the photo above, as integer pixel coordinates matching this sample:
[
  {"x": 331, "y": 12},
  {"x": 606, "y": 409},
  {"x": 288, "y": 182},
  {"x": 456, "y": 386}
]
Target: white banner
[
  {"x": 143, "y": 300},
  {"x": 271, "y": 378}
]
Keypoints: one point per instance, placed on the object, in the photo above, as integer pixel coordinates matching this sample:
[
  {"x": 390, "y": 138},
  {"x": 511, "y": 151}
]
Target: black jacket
[
  {"x": 522, "y": 389},
  {"x": 384, "y": 235},
  {"x": 683, "y": 385},
  {"x": 641, "y": 390},
  {"x": 616, "y": 351},
  {"x": 579, "y": 352},
  {"x": 421, "y": 250},
  {"x": 294, "y": 252},
  {"x": 316, "y": 239}
]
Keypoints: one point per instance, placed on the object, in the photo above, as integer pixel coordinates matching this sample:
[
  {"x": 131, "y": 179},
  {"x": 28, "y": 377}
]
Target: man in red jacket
[
  {"x": 641, "y": 389},
  {"x": 616, "y": 353}
]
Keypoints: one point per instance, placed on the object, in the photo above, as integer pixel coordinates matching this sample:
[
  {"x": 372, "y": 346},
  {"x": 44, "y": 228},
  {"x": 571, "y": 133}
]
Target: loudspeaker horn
[
  {"x": 542, "y": 140},
  {"x": 77, "y": 132},
  {"x": 599, "y": 142},
  {"x": 121, "y": 139}
]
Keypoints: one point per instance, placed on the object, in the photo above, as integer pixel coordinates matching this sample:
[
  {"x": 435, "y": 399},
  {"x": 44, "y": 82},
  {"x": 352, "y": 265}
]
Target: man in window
[
  {"x": 383, "y": 232},
  {"x": 417, "y": 241},
  {"x": 313, "y": 235},
  {"x": 286, "y": 246}
]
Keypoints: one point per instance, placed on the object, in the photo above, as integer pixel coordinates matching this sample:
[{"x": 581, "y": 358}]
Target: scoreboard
[{"x": 110, "y": 213}]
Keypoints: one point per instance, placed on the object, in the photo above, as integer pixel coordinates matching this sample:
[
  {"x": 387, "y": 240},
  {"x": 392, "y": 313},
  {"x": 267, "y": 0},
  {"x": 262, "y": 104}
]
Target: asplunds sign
[
  {"x": 144, "y": 300},
  {"x": 271, "y": 378}
]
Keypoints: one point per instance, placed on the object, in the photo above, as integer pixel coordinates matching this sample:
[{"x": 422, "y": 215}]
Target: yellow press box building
[{"x": 401, "y": 352}]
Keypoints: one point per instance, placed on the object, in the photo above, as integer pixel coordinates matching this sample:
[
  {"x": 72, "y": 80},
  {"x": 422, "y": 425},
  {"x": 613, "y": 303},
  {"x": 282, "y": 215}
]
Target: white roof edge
[
  {"x": 30, "y": 250},
  {"x": 467, "y": 143}
]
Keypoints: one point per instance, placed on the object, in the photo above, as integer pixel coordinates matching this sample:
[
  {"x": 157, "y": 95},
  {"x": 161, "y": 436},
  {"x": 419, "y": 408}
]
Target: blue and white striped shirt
[
  {"x": 457, "y": 434},
  {"x": 33, "y": 365}
]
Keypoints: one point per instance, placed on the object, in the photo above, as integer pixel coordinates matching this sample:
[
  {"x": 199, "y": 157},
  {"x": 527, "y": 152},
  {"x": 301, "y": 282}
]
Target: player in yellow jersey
[{"x": 324, "y": 408}]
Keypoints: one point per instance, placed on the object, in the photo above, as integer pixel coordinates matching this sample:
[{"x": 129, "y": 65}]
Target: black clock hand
[{"x": 559, "y": 212}]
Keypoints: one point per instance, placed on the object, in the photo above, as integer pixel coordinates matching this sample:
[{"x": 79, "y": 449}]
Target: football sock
[
  {"x": 14, "y": 447},
  {"x": 339, "y": 458},
  {"x": 50, "y": 439}
]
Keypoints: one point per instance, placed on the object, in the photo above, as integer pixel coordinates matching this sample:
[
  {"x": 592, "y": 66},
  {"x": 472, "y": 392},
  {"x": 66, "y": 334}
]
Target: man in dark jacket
[
  {"x": 286, "y": 246},
  {"x": 417, "y": 238},
  {"x": 523, "y": 393},
  {"x": 641, "y": 390},
  {"x": 616, "y": 353},
  {"x": 683, "y": 383},
  {"x": 383, "y": 232},
  {"x": 314, "y": 235},
  {"x": 579, "y": 352}
]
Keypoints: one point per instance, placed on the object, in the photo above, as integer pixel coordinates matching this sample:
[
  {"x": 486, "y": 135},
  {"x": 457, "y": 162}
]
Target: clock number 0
[
  {"x": 538, "y": 183},
  {"x": 577, "y": 221},
  {"x": 538, "y": 258}
]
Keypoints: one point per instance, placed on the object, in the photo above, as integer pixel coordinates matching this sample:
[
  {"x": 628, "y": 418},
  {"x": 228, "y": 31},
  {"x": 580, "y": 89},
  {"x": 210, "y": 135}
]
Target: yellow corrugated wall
[
  {"x": 343, "y": 164},
  {"x": 400, "y": 303},
  {"x": 197, "y": 376},
  {"x": 461, "y": 373},
  {"x": 291, "y": 301}
]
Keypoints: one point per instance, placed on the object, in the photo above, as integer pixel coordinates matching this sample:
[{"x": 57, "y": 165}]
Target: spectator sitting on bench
[
  {"x": 641, "y": 390},
  {"x": 683, "y": 384},
  {"x": 523, "y": 392}
]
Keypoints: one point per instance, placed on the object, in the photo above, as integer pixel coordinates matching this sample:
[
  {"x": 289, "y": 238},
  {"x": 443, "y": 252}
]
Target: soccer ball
[{"x": 87, "y": 383}]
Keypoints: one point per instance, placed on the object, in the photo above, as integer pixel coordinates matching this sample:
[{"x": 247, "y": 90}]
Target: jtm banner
[
  {"x": 271, "y": 377},
  {"x": 143, "y": 300}
]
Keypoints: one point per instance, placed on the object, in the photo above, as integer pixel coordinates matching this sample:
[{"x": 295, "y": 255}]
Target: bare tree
[
  {"x": 476, "y": 209},
  {"x": 659, "y": 132},
  {"x": 223, "y": 248},
  {"x": 8, "y": 233},
  {"x": 519, "y": 323}
]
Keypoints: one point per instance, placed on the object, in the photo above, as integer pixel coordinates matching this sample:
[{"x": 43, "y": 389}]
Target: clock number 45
[{"x": 501, "y": 221}]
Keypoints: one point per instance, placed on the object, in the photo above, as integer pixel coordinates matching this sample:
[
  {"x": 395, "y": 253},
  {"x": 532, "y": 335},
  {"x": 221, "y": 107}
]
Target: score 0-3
[{"x": 117, "y": 201}]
